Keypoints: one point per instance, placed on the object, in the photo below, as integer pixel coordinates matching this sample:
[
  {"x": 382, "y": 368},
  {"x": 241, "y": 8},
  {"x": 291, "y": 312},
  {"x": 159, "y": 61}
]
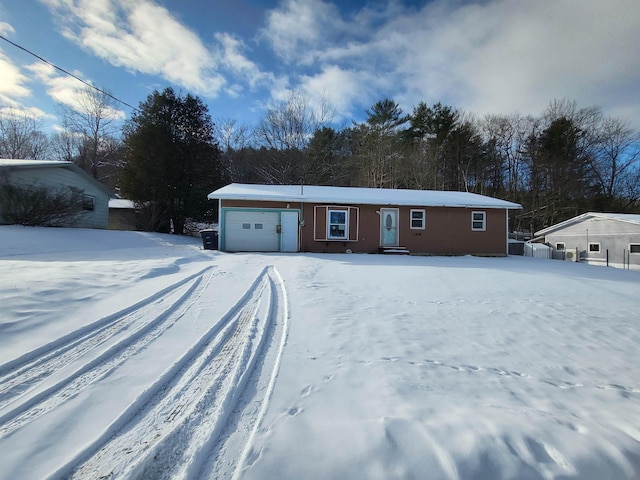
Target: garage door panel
[{"x": 251, "y": 231}]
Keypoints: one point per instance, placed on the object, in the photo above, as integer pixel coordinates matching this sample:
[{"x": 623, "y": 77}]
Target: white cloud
[
  {"x": 301, "y": 28},
  {"x": 510, "y": 55},
  {"x": 32, "y": 112},
  {"x": 143, "y": 37},
  {"x": 341, "y": 58},
  {"x": 232, "y": 57},
  {"x": 504, "y": 56},
  {"x": 60, "y": 88},
  {"x": 65, "y": 89},
  {"x": 6, "y": 29},
  {"x": 345, "y": 90},
  {"x": 494, "y": 56},
  {"x": 12, "y": 82}
]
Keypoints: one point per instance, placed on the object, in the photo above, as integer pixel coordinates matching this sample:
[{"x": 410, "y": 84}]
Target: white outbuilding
[{"x": 611, "y": 239}]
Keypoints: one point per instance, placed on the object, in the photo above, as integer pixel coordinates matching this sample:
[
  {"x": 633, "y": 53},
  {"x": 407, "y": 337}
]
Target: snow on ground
[{"x": 139, "y": 355}]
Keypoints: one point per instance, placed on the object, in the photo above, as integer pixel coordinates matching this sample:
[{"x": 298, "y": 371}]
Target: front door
[
  {"x": 389, "y": 227},
  {"x": 289, "y": 236}
]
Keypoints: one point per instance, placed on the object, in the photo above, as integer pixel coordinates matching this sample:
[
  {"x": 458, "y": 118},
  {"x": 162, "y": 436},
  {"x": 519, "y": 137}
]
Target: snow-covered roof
[
  {"x": 621, "y": 217},
  {"x": 356, "y": 195},
  {"x": 121, "y": 203},
  {"x": 11, "y": 162}
]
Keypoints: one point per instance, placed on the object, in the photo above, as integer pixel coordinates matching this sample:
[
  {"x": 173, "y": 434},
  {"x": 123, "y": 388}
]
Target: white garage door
[{"x": 251, "y": 231}]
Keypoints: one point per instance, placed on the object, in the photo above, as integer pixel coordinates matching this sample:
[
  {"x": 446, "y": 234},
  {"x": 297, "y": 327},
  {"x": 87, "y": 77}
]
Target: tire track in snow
[
  {"x": 156, "y": 319},
  {"x": 19, "y": 375},
  {"x": 172, "y": 430},
  {"x": 236, "y": 445}
]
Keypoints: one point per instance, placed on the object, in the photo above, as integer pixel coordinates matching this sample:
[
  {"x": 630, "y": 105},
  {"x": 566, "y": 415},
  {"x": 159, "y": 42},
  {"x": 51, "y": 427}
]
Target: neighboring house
[
  {"x": 597, "y": 238},
  {"x": 55, "y": 174},
  {"x": 123, "y": 215},
  {"x": 291, "y": 218}
]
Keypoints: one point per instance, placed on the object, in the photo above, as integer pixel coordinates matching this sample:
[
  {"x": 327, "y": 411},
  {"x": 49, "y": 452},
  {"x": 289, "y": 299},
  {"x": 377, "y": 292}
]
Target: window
[
  {"x": 594, "y": 247},
  {"x": 258, "y": 226},
  {"x": 560, "y": 246},
  {"x": 88, "y": 202},
  {"x": 417, "y": 219},
  {"x": 337, "y": 224},
  {"x": 246, "y": 226},
  {"x": 634, "y": 248},
  {"x": 478, "y": 221}
]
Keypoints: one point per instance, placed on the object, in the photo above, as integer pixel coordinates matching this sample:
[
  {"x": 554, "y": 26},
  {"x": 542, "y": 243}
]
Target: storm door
[{"x": 389, "y": 227}]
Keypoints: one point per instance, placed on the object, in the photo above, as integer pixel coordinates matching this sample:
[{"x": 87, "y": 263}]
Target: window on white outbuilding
[
  {"x": 478, "y": 221},
  {"x": 418, "y": 219},
  {"x": 337, "y": 224},
  {"x": 560, "y": 246},
  {"x": 634, "y": 248},
  {"x": 594, "y": 247}
]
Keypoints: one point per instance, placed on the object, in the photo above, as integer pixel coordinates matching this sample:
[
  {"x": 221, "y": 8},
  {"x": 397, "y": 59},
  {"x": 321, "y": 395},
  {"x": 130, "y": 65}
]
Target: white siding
[{"x": 614, "y": 237}]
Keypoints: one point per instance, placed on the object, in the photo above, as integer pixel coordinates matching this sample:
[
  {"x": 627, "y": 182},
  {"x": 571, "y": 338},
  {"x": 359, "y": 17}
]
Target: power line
[{"x": 67, "y": 72}]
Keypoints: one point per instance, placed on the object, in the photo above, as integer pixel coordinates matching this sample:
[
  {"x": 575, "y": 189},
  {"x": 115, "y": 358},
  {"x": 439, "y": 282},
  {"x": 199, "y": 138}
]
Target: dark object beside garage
[
  {"x": 209, "y": 239},
  {"x": 516, "y": 247}
]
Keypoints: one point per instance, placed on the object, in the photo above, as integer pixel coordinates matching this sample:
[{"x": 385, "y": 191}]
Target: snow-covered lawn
[{"x": 137, "y": 355}]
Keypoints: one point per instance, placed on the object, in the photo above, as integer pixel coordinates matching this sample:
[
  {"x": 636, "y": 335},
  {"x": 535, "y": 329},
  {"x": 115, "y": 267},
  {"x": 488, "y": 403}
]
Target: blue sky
[{"x": 239, "y": 56}]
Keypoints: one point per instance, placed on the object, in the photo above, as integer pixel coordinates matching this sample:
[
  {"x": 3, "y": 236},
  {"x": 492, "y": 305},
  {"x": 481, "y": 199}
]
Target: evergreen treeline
[{"x": 565, "y": 162}]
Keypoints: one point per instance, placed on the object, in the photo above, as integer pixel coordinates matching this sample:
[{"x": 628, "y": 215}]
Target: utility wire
[{"x": 68, "y": 73}]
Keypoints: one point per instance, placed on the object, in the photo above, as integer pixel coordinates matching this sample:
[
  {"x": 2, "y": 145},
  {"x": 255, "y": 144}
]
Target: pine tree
[{"x": 172, "y": 160}]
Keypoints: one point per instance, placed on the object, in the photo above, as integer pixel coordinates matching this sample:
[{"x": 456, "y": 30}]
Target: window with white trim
[
  {"x": 560, "y": 246},
  {"x": 337, "y": 224},
  {"x": 418, "y": 218},
  {"x": 594, "y": 247},
  {"x": 478, "y": 221},
  {"x": 634, "y": 248}
]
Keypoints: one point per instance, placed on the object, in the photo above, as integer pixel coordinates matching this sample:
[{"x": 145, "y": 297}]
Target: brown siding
[
  {"x": 448, "y": 229},
  {"x": 123, "y": 219}
]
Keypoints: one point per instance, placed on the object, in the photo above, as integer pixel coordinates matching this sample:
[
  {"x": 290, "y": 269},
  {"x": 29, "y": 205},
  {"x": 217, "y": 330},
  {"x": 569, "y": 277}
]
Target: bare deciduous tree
[
  {"x": 234, "y": 139},
  {"x": 93, "y": 123},
  {"x": 508, "y": 135},
  {"x": 291, "y": 123},
  {"x": 21, "y": 136},
  {"x": 288, "y": 127},
  {"x": 616, "y": 151}
]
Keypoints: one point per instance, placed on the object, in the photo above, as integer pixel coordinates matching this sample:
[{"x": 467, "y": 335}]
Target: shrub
[{"x": 36, "y": 205}]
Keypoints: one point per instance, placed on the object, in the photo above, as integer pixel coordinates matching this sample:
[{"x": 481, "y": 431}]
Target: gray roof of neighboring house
[
  {"x": 621, "y": 217},
  {"x": 16, "y": 163},
  {"x": 357, "y": 195}
]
